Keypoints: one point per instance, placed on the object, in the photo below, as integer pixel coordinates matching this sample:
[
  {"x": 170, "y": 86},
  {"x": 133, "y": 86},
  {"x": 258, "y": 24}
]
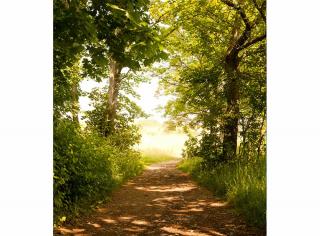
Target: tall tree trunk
[
  {"x": 113, "y": 92},
  {"x": 230, "y": 127}
]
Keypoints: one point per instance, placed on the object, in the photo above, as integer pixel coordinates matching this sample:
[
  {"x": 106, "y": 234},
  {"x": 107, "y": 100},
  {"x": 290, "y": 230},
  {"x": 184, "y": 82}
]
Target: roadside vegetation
[
  {"x": 217, "y": 74},
  {"x": 94, "y": 151},
  {"x": 87, "y": 168},
  {"x": 242, "y": 184}
]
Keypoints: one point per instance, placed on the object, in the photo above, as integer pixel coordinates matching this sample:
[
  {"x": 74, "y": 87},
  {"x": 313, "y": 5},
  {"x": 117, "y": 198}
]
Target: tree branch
[
  {"x": 124, "y": 75},
  {"x": 166, "y": 13},
  {"x": 234, "y": 49},
  {"x": 171, "y": 31},
  {"x": 248, "y": 44},
  {"x": 260, "y": 9},
  {"x": 240, "y": 11}
]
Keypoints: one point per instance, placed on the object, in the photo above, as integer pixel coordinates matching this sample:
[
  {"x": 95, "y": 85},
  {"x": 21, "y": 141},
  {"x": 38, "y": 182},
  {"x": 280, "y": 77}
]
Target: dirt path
[{"x": 162, "y": 201}]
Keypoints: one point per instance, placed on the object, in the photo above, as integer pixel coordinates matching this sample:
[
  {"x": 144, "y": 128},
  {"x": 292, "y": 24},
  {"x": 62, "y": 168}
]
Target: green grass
[
  {"x": 242, "y": 184},
  {"x": 153, "y": 156}
]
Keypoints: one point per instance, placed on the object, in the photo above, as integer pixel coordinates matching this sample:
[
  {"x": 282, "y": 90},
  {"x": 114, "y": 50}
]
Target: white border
[
  {"x": 293, "y": 117},
  {"x": 26, "y": 117}
]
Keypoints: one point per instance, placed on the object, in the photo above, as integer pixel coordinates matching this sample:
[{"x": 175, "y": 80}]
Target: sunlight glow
[
  {"x": 125, "y": 218},
  {"x": 109, "y": 221},
  {"x": 166, "y": 188},
  {"x": 95, "y": 225},
  {"x": 155, "y": 138},
  {"x": 140, "y": 222},
  {"x": 176, "y": 230}
]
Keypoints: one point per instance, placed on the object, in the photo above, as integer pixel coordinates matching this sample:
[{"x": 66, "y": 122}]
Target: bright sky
[{"x": 149, "y": 102}]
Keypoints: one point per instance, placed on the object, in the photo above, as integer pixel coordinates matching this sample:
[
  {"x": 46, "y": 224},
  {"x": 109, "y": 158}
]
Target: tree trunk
[
  {"x": 261, "y": 135},
  {"x": 230, "y": 127},
  {"x": 239, "y": 41},
  {"x": 75, "y": 102},
  {"x": 113, "y": 92}
]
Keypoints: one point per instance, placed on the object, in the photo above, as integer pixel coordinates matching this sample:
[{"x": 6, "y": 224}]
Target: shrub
[{"x": 86, "y": 168}]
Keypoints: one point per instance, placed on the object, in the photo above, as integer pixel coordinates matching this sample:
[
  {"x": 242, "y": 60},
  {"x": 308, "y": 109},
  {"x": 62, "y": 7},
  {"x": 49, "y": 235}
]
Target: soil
[{"x": 162, "y": 201}]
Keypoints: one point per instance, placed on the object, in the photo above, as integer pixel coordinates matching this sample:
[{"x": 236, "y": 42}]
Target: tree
[
  {"x": 87, "y": 165},
  {"x": 73, "y": 29},
  {"x": 127, "y": 112},
  {"x": 217, "y": 71},
  {"x": 241, "y": 40},
  {"x": 131, "y": 41}
]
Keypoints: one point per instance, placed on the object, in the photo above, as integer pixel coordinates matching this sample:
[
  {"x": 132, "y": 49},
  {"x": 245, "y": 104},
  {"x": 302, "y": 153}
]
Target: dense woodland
[{"x": 211, "y": 57}]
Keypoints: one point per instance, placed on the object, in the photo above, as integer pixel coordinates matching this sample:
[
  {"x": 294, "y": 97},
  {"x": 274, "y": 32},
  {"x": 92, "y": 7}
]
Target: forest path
[{"x": 162, "y": 201}]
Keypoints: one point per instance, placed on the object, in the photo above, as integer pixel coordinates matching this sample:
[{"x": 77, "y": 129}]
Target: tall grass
[
  {"x": 154, "y": 155},
  {"x": 243, "y": 184}
]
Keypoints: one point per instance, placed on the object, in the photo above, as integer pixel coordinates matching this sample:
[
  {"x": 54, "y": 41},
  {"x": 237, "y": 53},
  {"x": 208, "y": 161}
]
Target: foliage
[
  {"x": 86, "y": 168},
  {"x": 201, "y": 34},
  {"x": 82, "y": 173},
  {"x": 126, "y": 28},
  {"x": 127, "y": 110},
  {"x": 242, "y": 183},
  {"x": 73, "y": 29},
  {"x": 216, "y": 53}
]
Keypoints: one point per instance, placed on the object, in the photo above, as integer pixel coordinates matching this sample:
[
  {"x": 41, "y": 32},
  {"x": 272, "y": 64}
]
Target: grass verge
[
  {"x": 242, "y": 184},
  {"x": 153, "y": 156}
]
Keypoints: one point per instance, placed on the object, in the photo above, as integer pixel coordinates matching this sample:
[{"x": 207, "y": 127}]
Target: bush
[
  {"x": 86, "y": 168},
  {"x": 125, "y": 163},
  {"x": 243, "y": 184}
]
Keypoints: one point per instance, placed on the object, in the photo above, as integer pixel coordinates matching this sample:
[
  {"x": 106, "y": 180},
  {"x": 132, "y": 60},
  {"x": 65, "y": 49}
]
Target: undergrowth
[
  {"x": 243, "y": 184},
  {"x": 87, "y": 168}
]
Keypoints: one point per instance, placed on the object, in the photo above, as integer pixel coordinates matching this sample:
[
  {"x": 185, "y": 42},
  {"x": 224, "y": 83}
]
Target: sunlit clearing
[{"x": 158, "y": 141}]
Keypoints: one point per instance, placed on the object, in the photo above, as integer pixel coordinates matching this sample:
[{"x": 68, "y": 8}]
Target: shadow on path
[{"x": 162, "y": 201}]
